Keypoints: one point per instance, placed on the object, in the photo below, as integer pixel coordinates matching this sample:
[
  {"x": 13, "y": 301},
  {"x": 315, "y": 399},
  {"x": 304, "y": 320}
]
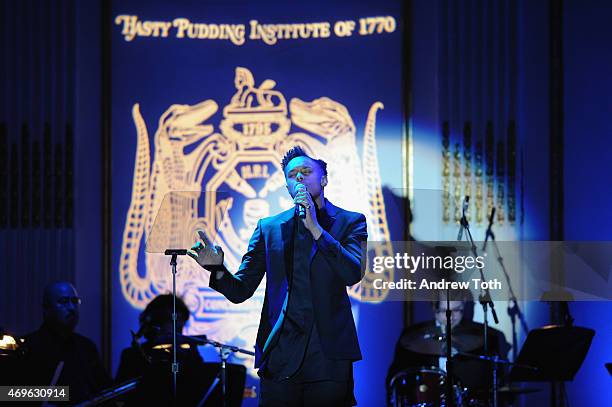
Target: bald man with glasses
[{"x": 58, "y": 356}]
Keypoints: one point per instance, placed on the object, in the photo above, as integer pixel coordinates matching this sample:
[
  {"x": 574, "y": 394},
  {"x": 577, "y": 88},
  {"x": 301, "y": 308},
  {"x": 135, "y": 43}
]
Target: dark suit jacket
[{"x": 335, "y": 264}]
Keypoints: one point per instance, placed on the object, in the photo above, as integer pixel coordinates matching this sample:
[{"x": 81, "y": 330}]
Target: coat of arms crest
[{"x": 242, "y": 159}]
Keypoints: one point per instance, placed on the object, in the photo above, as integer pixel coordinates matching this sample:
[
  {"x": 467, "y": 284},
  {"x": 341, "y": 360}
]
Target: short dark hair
[
  {"x": 298, "y": 151},
  {"x": 159, "y": 310},
  {"x": 463, "y": 295}
]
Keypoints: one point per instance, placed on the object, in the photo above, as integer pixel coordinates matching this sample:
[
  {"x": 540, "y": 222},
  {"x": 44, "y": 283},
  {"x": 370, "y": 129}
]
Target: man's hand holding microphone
[{"x": 307, "y": 210}]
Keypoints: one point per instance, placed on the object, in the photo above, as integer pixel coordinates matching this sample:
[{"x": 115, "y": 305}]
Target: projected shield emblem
[{"x": 236, "y": 176}]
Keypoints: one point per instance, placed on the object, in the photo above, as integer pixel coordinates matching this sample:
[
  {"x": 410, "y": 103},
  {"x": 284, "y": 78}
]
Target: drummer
[
  {"x": 423, "y": 344},
  {"x": 156, "y": 328},
  {"x": 151, "y": 360}
]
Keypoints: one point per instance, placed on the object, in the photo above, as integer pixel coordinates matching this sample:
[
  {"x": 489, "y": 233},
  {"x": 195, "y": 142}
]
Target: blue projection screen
[{"x": 206, "y": 98}]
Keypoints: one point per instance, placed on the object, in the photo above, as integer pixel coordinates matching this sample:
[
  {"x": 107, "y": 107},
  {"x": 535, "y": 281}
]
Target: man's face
[
  {"x": 303, "y": 170},
  {"x": 61, "y": 308},
  {"x": 457, "y": 313}
]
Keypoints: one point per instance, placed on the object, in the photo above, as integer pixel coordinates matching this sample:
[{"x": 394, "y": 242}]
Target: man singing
[{"x": 307, "y": 341}]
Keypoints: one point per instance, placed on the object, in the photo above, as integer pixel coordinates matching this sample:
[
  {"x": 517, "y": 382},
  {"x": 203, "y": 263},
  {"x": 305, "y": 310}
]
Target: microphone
[
  {"x": 489, "y": 232},
  {"x": 463, "y": 221},
  {"x": 301, "y": 211}
]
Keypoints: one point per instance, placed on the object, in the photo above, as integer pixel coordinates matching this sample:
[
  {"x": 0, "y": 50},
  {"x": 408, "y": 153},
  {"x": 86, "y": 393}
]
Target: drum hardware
[
  {"x": 496, "y": 361},
  {"x": 224, "y": 352},
  {"x": 484, "y": 298},
  {"x": 422, "y": 387},
  {"x": 164, "y": 344},
  {"x": 431, "y": 341}
]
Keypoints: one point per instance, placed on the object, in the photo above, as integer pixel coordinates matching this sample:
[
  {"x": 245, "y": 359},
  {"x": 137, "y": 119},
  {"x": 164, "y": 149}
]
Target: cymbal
[
  {"x": 165, "y": 341},
  {"x": 429, "y": 340}
]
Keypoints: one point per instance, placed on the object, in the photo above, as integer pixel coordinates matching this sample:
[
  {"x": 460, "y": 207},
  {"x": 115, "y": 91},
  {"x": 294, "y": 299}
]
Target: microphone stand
[
  {"x": 485, "y": 300},
  {"x": 450, "y": 401},
  {"x": 224, "y": 352},
  {"x": 513, "y": 307},
  {"x": 175, "y": 366}
]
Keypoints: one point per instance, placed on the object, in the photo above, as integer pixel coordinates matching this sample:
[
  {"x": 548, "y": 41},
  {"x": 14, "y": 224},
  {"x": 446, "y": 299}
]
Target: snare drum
[{"x": 421, "y": 387}]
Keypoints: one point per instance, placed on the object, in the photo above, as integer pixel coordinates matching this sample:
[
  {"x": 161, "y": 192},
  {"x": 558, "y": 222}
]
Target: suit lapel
[
  {"x": 286, "y": 228},
  {"x": 334, "y": 225},
  {"x": 284, "y": 265}
]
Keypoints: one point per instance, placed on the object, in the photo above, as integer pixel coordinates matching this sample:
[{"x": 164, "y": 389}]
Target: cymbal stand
[
  {"x": 513, "y": 307},
  {"x": 224, "y": 352},
  {"x": 485, "y": 300}
]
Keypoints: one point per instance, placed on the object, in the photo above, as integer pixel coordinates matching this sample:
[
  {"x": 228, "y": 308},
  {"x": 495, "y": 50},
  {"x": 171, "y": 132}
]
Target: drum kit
[
  {"x": 538, "y": 360},
  {"x": 432, "y": 386},
  {"x": 218, "y": 384},
  {"x": 426, "y": 386}
]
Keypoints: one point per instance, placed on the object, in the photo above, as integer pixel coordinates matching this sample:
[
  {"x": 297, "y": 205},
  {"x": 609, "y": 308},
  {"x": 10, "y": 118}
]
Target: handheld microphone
[
  {"x": 301, "y": 211},
  {"x": 463, "y": 221}
]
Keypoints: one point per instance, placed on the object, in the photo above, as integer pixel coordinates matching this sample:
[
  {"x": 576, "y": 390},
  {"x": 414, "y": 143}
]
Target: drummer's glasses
[
  {"x": 63, "y": 301},
  {"x": 453, "y": 310}
]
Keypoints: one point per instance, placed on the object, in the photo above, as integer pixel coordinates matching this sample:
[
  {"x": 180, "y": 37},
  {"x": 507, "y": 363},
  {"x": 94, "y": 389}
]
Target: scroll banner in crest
[{"x": 212, "y": 115}]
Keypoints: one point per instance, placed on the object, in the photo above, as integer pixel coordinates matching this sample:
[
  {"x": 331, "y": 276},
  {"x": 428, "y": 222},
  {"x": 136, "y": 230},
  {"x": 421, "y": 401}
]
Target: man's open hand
[{"x": 205, "y": 254}]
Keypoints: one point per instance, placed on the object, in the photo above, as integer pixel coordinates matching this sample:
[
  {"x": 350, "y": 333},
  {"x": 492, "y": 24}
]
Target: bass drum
[{"x": 422, "y": 387}]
